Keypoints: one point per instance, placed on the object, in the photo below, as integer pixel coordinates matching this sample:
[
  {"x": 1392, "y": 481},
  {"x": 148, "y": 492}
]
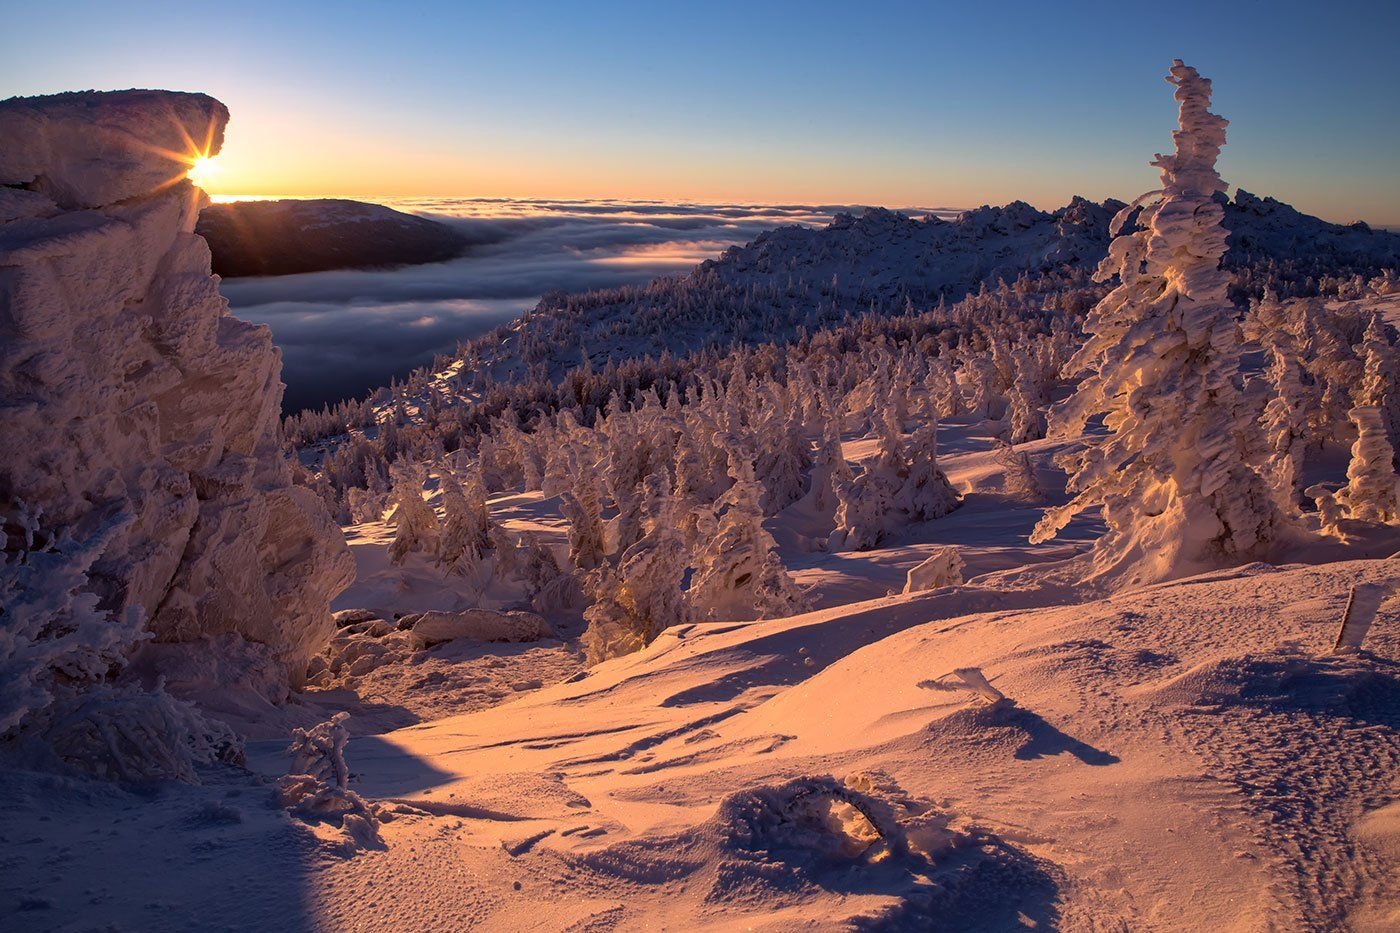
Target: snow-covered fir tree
[
  {"x": 648, "y": 596},
  {"x": 738, "y": 573},
  {"x": 465, "y": 538},
  {"x": 1172, "y": 475},
  {"x": 416, "y": 527}
]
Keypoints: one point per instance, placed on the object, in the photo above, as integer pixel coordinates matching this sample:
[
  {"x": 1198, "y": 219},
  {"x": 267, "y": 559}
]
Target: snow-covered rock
[
  {"x": 481, "y": 625},
  {"x": 944, "y": 568},
  {"x": 135, "y": 403},
  {"x": 87, "y": 149}
]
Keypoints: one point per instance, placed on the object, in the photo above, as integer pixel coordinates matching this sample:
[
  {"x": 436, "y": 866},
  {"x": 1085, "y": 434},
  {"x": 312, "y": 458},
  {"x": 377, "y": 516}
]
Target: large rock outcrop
[{"x": 142, "y": 456}]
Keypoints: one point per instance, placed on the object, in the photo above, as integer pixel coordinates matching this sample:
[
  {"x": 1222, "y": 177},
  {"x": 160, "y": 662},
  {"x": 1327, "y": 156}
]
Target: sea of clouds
[{"x": 345, "y": 333}]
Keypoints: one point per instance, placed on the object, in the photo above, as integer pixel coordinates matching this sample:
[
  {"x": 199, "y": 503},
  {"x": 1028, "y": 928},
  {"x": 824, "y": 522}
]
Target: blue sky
[{"x": 930, "y": 104}]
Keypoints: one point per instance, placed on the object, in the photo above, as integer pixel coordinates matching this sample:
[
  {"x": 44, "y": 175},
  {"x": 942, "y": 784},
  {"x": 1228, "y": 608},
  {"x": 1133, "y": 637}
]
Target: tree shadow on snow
[
  {"x": 381, "y": 769},
  {"x": 1044, "y": 740}
]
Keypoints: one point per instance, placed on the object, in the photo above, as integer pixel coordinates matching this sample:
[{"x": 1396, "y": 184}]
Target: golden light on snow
[{"x": 202, "y": 169}]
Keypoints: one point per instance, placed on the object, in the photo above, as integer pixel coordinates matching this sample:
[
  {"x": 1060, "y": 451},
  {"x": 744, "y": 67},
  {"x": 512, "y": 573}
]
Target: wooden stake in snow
[{"x": 1363, "y": 603}]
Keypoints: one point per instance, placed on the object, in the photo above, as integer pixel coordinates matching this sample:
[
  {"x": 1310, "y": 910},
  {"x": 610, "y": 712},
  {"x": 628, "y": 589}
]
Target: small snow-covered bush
[
  {"x": 128, "y": 734},
  {"x": 318, "y": 787}
]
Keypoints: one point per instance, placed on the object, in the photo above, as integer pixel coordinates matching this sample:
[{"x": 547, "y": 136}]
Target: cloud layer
[{"x": 345, "y": 333}]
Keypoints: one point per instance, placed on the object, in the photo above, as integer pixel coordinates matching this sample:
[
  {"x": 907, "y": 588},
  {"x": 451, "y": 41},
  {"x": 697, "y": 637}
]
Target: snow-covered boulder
[
  {"x": 481, "y": 625},
  {"x": 944, "y": 568},
  {"x": 87, "y": 149},
  {"x": 136, "y": 406}
]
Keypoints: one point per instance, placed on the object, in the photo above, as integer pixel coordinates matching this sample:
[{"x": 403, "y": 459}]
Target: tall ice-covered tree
[{"x": 1172, "y": 474}]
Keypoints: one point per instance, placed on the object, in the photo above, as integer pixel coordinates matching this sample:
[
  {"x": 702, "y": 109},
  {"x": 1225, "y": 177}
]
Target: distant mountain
[
  {"x": 881, "y": 261},
  {"x": 289, "y": 236}
]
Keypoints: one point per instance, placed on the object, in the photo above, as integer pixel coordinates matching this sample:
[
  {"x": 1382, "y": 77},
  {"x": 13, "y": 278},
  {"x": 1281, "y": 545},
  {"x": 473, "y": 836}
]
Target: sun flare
[{"x": 202, "y": 170}]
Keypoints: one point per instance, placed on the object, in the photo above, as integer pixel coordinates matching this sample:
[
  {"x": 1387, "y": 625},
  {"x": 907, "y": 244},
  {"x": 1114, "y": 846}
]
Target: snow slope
[{"x": 1185, "y": 756}]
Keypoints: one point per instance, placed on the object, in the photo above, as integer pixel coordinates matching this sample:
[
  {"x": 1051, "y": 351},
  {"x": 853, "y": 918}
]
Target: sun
[{"x": 202, "y": 170}]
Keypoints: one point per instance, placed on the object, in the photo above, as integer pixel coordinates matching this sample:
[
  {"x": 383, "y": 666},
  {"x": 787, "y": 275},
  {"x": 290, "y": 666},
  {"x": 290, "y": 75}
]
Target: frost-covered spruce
[
  {"x": 830, "y": 468},
  {"x": 926, "y": 493},
  {"x": 867, "y": 509},
  {"x": 1380, "y": 381},
  {"x": 1371, "y": 493},
  {"x": 465, "y": 538},
  {"x": 1177, "y": 492},
  {"x": 784, "y": 462},
  {"x": 903, "y": 484},
  {"x": 582, "y": 508},
  {"x": 1027, "y": 402},
  {"x": 416, "y": 526},
  {"x": 738, "y": 574},
  {"x": 1333, "y": 364},
  {"x": 1286, "y": 426},
  {"x": 650, "y": 574},
  {"x": 942, "y": 384},
  {"x": 1018, "y": 474}
]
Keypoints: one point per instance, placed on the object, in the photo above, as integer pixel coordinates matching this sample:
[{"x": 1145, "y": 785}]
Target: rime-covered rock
[
  {"x": 134, "y": 402},
  {"x": 89, "y": 150},
  {"x": 481, "y": 625}
]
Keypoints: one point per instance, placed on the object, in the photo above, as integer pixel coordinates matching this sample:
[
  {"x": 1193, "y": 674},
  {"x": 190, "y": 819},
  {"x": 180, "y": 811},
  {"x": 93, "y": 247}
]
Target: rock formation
[{"x": 141, "y": 418}]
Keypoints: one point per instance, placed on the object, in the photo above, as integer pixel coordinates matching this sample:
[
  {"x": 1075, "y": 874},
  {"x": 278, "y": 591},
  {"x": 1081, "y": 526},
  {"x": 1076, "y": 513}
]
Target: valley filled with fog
[{"x": 347, "y": 332}]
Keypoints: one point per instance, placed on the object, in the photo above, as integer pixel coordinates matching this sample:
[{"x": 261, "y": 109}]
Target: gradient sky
[{"x": 903, "y": 104}]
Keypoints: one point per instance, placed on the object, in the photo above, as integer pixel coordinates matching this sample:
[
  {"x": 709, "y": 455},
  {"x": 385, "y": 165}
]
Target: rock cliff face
[{"x": 137, "y": 411}]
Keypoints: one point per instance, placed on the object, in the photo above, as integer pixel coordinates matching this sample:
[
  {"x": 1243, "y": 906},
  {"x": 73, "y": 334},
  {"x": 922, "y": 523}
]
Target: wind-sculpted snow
[{"x": 143, "y": 463}]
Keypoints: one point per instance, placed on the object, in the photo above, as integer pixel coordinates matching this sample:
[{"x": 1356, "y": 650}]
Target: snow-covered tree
[
  {"x": 1371, "y": 493},
  {"x": 1177, "y": 492},
  {"x": 415, "y": 523},
  {"x": 1373, "y": 488},
  {"x": 925, "y": 493},
  {"x": 1019, "y": 480},
  {"x": 1333, "y": 364},
  {"x": 830, "y": 468},
  {"x": 465, "y": 539},
  {"x": 785, "y": 459},
  {"x": 1027, "y": 402},
  {"x": 583, "y": 509},
  {"x": 1286, "y": 425},
  {"x": 648, "y": 596},
  {"x": 738, "y": 574},
  {"x": 902, "y": 484},
  {"x": 1380, "y": 380}
]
